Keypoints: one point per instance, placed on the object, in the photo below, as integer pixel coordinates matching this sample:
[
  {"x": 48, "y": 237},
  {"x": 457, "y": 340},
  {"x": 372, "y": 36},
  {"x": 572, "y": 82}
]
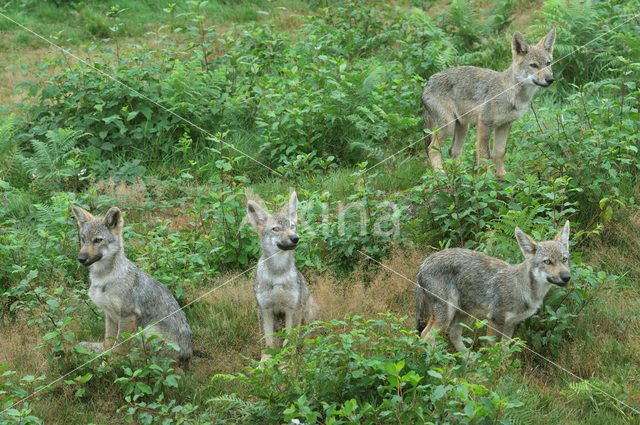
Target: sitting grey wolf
[
  {"x": 129, "y": 297},
  {"x": 455, "y": 282},
  {"x": 281, "y": 291},
  {"x": 457, "y": 97}
]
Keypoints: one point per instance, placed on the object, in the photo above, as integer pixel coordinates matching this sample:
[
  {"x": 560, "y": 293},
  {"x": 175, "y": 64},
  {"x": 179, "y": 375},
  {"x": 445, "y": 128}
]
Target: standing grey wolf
[
  {"x": 457, "y": 97},
  {"x": 455, "y": 283},
  {"x": 281, "y": 291},
  {"x": 129, "y": 297}
]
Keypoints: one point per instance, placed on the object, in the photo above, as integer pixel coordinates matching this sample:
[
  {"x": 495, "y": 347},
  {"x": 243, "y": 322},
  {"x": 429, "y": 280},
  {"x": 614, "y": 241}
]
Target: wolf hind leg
[{"x": 459, "y": 135}]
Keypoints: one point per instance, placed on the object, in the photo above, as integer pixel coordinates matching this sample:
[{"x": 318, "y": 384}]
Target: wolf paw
[{"x": 94, "y": 347}]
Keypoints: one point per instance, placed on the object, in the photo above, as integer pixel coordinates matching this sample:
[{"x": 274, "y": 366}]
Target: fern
[
  {"x": 52, "y": 159},
  {"x": 501, "y": 239},
  {"x": 523, "y": 417},
  {"x": 9, "y": 149}
]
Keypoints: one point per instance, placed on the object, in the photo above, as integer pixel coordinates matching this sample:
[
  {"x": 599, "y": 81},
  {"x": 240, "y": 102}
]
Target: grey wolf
[
  {"x": 129, "y": 297},
  {"x": 282, "y": 293},
  {"x": 455, "y": 282},
  {"x": 457, "y": 97}
]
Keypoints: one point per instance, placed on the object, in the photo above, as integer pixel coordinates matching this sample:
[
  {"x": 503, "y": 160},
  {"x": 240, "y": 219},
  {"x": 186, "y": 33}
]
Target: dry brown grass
[
  {"x": 226, "y": 327},
  {"x": 371, "y": 289},
  {"x": 127, "y": 194},
  {"x": 18, "y": 343},
  {"x": 19, "y": 65}
]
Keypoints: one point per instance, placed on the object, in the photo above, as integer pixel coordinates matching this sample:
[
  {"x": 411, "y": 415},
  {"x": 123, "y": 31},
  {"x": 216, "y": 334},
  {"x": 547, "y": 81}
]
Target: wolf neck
[
  {"x": 539, "y": 287},
  {"x": 278, "y": 262},
  {"x": 100, "y": 270},
  {"x": 519, "y": 93}
]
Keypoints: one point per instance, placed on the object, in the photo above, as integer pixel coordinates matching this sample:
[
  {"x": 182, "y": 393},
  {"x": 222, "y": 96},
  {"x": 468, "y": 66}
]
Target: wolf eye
[
  {"x": 548, "y": 63},
  {"x": 275, "y": 229},
  {"x": 97, "y": 240},
  {"x": 534, "y": 65},
  {"x": 547, "y": 262},
  {"x": 565, "y": 259}
]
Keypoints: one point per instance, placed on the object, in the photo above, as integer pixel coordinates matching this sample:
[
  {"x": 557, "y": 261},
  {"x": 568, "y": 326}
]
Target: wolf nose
[
  {"x": 294, "y": 238},
  {"x": 565, "y": 277},
  {"x": 82, "y": 259},
  {"x": 549, "y": 80}
]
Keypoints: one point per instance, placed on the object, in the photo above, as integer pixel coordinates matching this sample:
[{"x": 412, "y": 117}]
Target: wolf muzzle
[{"x": 86, "y": 261}]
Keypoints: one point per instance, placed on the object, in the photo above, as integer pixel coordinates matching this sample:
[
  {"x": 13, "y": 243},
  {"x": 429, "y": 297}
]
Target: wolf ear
[
  {"x": 548, "y": 40},
  {"x": 563, "y": 235},
  {"x": 82, "y": 215},
  {"x": 113, "y": 219},
  {"x": 519, "y": 46},
  {"x": 528, "y": 246},
  {"x": 256, "y": 214},
  {"x": 291, "y": 208}
]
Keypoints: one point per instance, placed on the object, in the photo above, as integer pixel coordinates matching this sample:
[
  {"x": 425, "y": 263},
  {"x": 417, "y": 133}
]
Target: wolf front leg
[
  {"x": 267, "y": 319},
  {"x": 500, "y": 148},
  {"x": 127, "y": 324},
  {"x": 110, "y": 332},
  {"x": 292, "y": 319}
]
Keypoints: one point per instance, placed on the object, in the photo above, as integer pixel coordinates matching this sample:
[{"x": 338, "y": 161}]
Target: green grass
[{"x": 78, "y": 23}]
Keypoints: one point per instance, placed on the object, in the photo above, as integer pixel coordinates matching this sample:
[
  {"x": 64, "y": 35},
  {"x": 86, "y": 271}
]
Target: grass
[{"x": 602, "y": 349}]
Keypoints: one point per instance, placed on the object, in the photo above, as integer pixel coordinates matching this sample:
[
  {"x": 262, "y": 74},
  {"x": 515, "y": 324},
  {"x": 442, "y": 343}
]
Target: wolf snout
[
  {"x": 294, "y": 239},
  {"x": 549, "y": 80},
  {"x": 82, "y": 258},
  {"x": 565, "y": 276}
]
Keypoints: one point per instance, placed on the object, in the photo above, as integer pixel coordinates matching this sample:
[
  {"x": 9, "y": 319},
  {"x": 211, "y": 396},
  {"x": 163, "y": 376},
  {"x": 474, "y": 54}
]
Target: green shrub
[{"x": 358, "y": 371}]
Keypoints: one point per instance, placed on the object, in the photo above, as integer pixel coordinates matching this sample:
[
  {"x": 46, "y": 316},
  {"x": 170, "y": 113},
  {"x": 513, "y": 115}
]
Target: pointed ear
[
  {"x": 291, "y": 208},
  {"x": 256, "y": 214},
  {"x": 548, "y": 40},
  {"x": 519, "y": 46},
  {"x": 82, "y": 215},
  {"x": 528, "y": 246},
  {"x": 563, "y": 235},
  {"x": 113, "y": 220}
]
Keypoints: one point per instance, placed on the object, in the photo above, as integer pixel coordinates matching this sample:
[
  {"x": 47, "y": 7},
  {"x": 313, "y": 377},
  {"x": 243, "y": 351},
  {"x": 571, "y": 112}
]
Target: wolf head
[
  {"x": 100, "y": 237},
  {"x": 533, "y": 63},
  {"x": 276, "y": 231},
  {"x": 549, "y": 260}
]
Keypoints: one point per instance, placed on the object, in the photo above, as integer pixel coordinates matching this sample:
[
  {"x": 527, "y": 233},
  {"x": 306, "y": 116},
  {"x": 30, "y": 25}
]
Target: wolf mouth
[
  {"x": 90, "y": 261},
  {"x": 287, "y": 247}
]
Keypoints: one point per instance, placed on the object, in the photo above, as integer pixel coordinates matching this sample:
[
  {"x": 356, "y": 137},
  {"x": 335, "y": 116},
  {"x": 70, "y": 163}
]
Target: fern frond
[{"x": 9, "y": 149}]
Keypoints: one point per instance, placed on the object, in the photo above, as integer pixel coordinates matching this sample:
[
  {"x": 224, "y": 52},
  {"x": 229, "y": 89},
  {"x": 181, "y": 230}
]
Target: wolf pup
[
  {"x": 281, "y": 291},
  {"x": 129, "y": 297},
  {"x": 457, "y": 97},
  {"x": 455, "y": 282}
]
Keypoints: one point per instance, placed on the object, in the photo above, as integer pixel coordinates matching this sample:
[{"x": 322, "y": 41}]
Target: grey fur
[
  {"x": 457, "y": 97},
  {"x": 282, "y": 293},
  {"x": 455, "y": 282},
  {"x": 129, "y": 297}
]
